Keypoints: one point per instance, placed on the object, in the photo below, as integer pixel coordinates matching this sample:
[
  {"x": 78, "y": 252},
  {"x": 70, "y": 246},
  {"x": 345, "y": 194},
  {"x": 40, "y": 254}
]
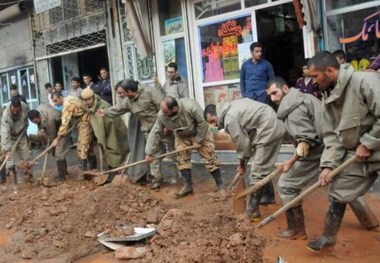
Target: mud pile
[{"x": 60, "y": 224}]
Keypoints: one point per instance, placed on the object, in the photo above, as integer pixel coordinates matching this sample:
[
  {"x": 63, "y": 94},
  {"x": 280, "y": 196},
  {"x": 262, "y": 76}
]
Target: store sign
[
  {"x": 370, "y": 25},
  {"x": 173, "y": 25},
  {"x": 45, "y": 5}
]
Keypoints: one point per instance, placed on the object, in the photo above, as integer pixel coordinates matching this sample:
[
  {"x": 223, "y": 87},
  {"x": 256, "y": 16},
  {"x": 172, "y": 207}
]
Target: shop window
[
  {"x": 222, "y": 44},
  {"x": 209, "y": 8},
  {"x": 356, "y": 32},
  {"x": 5, "y": 84},
  {"x": 330, "y": 5},
  {"x": 170, "y": 17},
  {"x": 174, "y": 51}
]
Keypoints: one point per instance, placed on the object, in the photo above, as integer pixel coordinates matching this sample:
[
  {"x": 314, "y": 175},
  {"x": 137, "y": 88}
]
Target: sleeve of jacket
[
  {"x": 239, "y": 136},
  {"x": 242, "y": 80},
  {"x": 299, "y": 125},
  {"x": 371, "y": 138},
  {"x": 118, "y": 109},
  {"x": 6, "y": 142},
  {"x": 157, "y": 96},
  {"x": 334, "y": 152},
  {"x": 154, "y": 138},
  {"x": 201, "y": 124},
  {"x": 67, "y": 114},
  {"x": 184, "y": 89}
]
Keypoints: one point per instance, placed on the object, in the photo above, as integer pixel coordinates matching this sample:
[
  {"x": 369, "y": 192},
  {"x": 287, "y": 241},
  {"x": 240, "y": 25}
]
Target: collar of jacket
[
  {"x": 289, "y": 102},
  {"x": 138, "y": 92},
  {"x": 344, "y": 76}
]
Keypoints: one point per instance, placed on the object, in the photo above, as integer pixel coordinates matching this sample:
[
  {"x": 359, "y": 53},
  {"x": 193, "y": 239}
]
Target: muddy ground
[{"x": 60, "y": 224}]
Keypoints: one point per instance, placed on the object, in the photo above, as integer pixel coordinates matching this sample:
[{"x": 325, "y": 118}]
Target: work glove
[{"x": 303, "y": 149}]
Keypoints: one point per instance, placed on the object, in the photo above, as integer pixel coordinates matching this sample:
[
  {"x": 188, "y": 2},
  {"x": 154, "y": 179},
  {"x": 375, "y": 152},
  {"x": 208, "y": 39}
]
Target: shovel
[
  {"x": 238, "y": 203},
  {"x": 13, "y": 149},
  {"x": 311, "y": 189},
  {"x": 236, "y": 178},
  {"x": 28, "y": 165},
  {"x": 101, "y": 178}
]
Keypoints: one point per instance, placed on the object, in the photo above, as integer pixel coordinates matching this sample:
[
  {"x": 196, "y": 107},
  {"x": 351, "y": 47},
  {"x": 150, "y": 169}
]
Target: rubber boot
[
  {"x": 333, "y": 220},
  {"x": 92, "y": 163},
  {"x": 363, "y": 213},
  {"x": 3, "y": 175},
  {"x": 83, "y": 166},
  {"x": 187, "y": 188},
  {"x": 12, "y": 173},
  {"x": 61, "y": 171},
  {"x": 296, "y": 224},
  {"x": 253, "y": 210},
  {"x": 218, "y": 179},
  {"x": 66, "y": 171},
  {"x": 110, "y": 175},
  {"x": 268, "y": 194}
]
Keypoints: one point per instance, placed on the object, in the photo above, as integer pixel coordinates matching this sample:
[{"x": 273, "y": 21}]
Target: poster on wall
[
  {"x": 220, "y": 47},
  {"x": 169, "y": 51},
  {"x": 244, "y": 53}
]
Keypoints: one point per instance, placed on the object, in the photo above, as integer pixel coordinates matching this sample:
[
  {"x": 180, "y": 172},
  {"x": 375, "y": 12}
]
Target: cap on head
[{"x": 87, "y": 94}]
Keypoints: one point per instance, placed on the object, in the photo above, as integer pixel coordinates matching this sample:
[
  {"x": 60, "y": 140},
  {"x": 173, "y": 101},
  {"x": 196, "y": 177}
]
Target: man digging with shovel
[
  {"x": 48, "y": 121},
  {"x": 302, "y": 117},
  {"x": 110, "y": 133},
  {"x": 256, "y": 132},
  {"x": 14, "y": 123}
]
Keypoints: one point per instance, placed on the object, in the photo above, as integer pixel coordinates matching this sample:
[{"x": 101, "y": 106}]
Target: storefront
[
  {"x": 210, "y": 40},
  {"x": 354, "y": 28}
]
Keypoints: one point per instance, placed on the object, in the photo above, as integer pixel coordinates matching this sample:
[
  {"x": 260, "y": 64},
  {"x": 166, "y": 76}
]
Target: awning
[
  {"x": 137, "y": 28},
  {"x": 307, "y": 14}
]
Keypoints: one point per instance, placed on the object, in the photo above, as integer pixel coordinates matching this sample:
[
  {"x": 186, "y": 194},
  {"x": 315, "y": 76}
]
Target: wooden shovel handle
[
  {"x": 42, "y": 154},
  {"x": 13, "y": 148},
  {"x": 261, "y": 183},
  {"x": 143, "y": 161},
  {"x": 311, "y": 189}
]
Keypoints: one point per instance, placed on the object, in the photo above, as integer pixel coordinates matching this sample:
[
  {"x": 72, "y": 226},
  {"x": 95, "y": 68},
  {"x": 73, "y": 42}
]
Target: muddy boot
[
  {"x": 83, "y": 166},
  {"x": 268, "y": 194},
  {"x": 187, "y": 188},
  {"x": 12, "y": 173},
  {"x": 92, "y": 163},
  {"x": 296, "y": 224},
  {"x": 333, "y": 220},
  {"x": 3, "y": 175},
  {"x": 363, "y": 213},
  {"x": 156, "y": 184},
  {"x": 110, "y": 175},
  {"x": 253, "y": 210},
  {"x": 66, "y": 171},
  {"x": 61, "y": 171},
  {"x": 218, "y": 179}
]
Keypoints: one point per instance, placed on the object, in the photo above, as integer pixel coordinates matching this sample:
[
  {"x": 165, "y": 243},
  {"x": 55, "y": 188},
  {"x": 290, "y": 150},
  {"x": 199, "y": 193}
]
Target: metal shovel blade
[{"x": 238, "y": 205}]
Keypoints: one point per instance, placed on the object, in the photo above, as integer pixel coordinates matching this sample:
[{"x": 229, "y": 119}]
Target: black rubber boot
[
  {"x": 66, "y": 171},
  {"x": 333, "y": 220},
  {"x": 3, "y": 175},
  {"x": 253, "y": 210},
  {"x": 296, "y": 224},
  {"x": 83, "y": 164},
  {"x": 364, "y": 213},
  {"x": 268, "y": 194},
  {"x": 187, "y": 188},
  {"x": 110, "y": 175},
  {"x": 92, "y": 163},
  {"x": 61, "y": 171},
  {"x": 218, "y": 179}
]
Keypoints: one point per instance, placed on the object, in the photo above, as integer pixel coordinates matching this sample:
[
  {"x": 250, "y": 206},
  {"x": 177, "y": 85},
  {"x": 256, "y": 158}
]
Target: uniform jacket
[
  {"x": 111, "y": 133},
  {"x": 352, "y": 116},
  {"x": 145, "y": 105},
  {"x": 49, "y": 119},
  {"x": 250, "y": 123},
  {"x": 176, "y": 88},
  {"x": 75, "y": 92},
  {"x": 188, "y": 123},
  {"x": 12, "y": 128},
  {"x": 302, "y": 117},
  {"x": 73, "y": 107}
]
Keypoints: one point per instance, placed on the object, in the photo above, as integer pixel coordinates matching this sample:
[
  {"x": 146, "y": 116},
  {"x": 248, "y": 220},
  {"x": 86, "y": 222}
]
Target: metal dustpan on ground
[{"x": 114, "y": 243}]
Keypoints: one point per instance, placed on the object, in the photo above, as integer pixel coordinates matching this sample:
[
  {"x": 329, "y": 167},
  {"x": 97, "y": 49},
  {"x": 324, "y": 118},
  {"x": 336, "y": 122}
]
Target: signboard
[
  {"x": 173, "y": 25},
  {"x": 45, "y": 5}
]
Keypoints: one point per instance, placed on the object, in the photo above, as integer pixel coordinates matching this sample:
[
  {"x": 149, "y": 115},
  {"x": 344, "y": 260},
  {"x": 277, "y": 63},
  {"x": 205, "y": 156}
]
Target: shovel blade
[
  {"x": 90, "y": 175},
  {"x": 238, "y": 205},
  {"x": 100, "y": 179},
  {"x": 120, "y": 179}
]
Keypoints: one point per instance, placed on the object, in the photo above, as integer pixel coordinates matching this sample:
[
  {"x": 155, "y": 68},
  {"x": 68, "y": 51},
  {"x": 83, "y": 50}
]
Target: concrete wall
[{"x": 15, "y": 44}]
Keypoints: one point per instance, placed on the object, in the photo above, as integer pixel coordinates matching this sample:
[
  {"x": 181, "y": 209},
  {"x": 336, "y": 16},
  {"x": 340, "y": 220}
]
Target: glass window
[
  {"x": 170, "y": 17},
  {"x": 343, "y": 3},
  {"x": 249, "y": 3},
  {"x": 221, "y": 45},
  {"x": 4, "y": 83},
  {"x": 358, "y": 33},
  {"x": 174, "y": 51},
  {"x": 215, "y": 7}
]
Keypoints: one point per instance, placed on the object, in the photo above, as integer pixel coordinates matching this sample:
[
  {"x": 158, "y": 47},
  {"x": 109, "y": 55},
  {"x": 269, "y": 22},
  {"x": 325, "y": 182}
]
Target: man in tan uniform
[
  {"x": 72, "y": 107},
  {"x": 110, "y": 133},
  {"x": 185, "y": 118},
  {"x": 257, "y": 133},
  {"x": 14, "y": 122},
  {"x": 351, "y": 102},
  {"x": 48, "y": 121},
  {"x": 145, "y": 103},
  {"x": 302, "y": 117},
  {"x": 176, "y": 85}
]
